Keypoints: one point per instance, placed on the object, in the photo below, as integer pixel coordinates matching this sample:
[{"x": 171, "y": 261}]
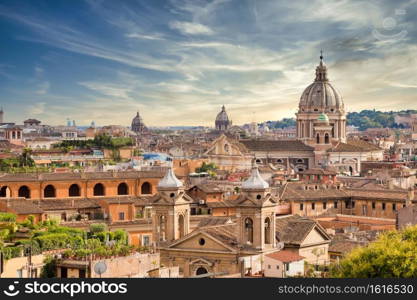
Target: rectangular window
[
  {"x": 121, "y": 216},
  {"x": 269, "y": 266},
  {"x": 335, "y": 204},
  {"x": 394, "y": 207},
  {"x": 287, "y": 266},
  {"x": 145, "y": 240},
  {"x": 383, "y": 206},
  {"x": 324, "y": 205},
  {"x": 364, "y": 209},
  {"x": 301, "y": 206},
  {"x": 313, "y": 206},
  {"x": 277, "y": 267},
  {"x": 373, "y": 205}
]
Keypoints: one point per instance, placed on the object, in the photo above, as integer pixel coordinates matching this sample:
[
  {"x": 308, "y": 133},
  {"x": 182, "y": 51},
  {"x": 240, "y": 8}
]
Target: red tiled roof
[{"x": 285, "y": 256}]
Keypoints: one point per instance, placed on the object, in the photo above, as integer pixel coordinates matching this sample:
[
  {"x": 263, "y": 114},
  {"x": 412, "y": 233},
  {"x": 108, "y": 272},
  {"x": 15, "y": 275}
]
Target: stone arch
[
  {"x": 248, "y": 231},
  {"x": 326, "y": 138},
  {"x": 49, "y": 191},
  {"x": 201, "y": 271},
  {"x": 74, "y": 190},
  {"x": 24, "y": 192},
  {"x": 99, "y": 190},
  {"x": 146, "y": 188},
  {"x": 123, "y": 189},
  {"x": 5, "y": 192},
  {"x": 267, "y": 230}
]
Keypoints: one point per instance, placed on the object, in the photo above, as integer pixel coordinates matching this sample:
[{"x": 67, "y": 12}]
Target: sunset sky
[{"x": 178, "y": 61}]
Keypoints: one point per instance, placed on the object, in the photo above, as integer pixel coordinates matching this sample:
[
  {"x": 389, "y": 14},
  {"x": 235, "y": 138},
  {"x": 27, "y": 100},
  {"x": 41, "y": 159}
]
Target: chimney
[{"x": 410, "y": 197}]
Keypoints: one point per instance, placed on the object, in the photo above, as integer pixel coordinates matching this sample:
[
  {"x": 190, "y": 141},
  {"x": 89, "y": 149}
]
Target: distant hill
[{"x": 364, "y": 119}]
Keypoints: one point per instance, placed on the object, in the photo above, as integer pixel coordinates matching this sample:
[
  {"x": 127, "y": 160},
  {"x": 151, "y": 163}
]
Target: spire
[
  {"x": 321, "y": 70},
  {"x": 255, "y": 181},
  {"x": 170, "y": 181},
  {"x": 223, "y": 108}
]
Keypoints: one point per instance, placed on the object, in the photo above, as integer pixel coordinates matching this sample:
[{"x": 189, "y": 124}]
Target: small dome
[
  {"x": 137, "y": 119},
  {"x": 323, "y": 118},
  {"x": 170, "y": 180},
  {"x": 255, "y": 181},
  {"x": 222, "y": 116},
  {"x": 137, "y": 124}
]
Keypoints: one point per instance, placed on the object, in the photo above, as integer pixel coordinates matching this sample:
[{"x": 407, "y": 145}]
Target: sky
[{"x": 179, "y": 61}]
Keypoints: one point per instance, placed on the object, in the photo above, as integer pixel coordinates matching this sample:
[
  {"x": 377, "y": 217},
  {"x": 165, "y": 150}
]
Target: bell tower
[
  {"x": 170, "y": 210},
  {"x": 255, "y": 213}
]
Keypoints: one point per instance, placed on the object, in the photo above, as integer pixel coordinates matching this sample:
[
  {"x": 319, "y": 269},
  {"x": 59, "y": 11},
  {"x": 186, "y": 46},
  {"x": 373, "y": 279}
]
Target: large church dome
[{"x": 321, "y": 96}]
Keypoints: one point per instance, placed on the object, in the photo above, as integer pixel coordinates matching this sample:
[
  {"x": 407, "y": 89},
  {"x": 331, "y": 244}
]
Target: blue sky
[{"x": 178, "y": 61}]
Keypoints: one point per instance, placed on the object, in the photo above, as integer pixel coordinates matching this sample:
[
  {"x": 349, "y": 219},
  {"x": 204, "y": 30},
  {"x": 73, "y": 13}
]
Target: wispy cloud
[{"x": 191, "y": 28}]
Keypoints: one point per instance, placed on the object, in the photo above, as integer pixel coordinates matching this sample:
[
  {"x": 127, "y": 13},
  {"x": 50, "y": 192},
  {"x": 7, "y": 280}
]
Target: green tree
[{"x": 393, "y": 254}]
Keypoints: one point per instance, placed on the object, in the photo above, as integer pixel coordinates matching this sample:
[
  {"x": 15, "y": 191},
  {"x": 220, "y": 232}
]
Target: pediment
[
  {"x": 201, "y": 261},
  {"x": 191, "y": 242}
]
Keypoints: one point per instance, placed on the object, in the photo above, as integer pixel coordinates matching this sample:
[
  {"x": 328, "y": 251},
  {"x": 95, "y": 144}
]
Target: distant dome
[
  {"x": 137, "y": 124},
  {"x": 321, "y": 95},
  {"x": 222, "y": 116},
  {"x": 222, "y": 122},
  {"x": 255, "y": 181}
]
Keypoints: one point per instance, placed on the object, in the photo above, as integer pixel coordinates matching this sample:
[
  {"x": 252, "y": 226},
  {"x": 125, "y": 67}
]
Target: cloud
[
  {"x": 43, "y": 88},
  {"x": 189, "y": 28},
  {"x": 37, "y": 108},
  {"x": 144, "y": 36}
]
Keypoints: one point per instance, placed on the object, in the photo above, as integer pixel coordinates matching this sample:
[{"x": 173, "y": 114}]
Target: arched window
[
  {"x": 318, "y": 139},
  {"x": 146, "y": 188},
  {"x": 123, "y": 189},
  {"x": 24, "y": 192},
  {"x": 74, "y": 190},
  {"x": 326, "y": 138},
  {"x": 267, "y": 231},
  {"x": 162, "y": 228},
  {"x": 181, "y": 226},
  {"x": 99, "y": 190},
  {"x": 49, "y": 191},
  {"x": 249, "y": 230},
  {"x": 4, "y": 191},
  {"x": 201, "y": 271}
]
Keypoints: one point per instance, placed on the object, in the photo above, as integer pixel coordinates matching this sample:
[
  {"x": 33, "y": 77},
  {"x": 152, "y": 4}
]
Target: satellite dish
[{"x": 100, "y": 268}]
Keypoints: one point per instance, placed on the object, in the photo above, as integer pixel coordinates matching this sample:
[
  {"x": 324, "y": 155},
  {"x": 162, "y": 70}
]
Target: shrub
[
  {"x": 98, "y": 227},
  {"x": 49, "y": 268},
  {"x": 12, "y": 252},
  {"x": 7, "y": 217}
]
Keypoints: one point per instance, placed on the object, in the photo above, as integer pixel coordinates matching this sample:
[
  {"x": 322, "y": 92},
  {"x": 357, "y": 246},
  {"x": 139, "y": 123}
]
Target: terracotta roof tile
[{"x": 285, "y": 256}]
